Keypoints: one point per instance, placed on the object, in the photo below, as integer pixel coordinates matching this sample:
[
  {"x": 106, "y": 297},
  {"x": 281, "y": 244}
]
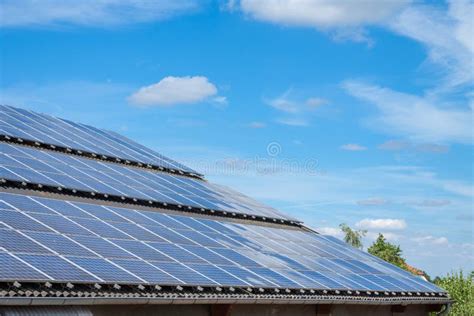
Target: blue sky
[{"x": 332, "y": 112}]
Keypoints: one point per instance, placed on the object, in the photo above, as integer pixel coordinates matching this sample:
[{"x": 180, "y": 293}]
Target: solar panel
[
  {"x": 28, "y": 125},
  {"x": 124, "y": 250},
  {"x": 107, "y": 178}
]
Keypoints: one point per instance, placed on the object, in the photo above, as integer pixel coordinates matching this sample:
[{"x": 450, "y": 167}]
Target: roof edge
[{"x": 40, "y": 293}]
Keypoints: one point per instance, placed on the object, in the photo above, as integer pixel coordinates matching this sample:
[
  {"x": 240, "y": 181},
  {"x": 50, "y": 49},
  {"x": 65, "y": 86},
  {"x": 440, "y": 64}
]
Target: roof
[{"x": 88, "y": 214}]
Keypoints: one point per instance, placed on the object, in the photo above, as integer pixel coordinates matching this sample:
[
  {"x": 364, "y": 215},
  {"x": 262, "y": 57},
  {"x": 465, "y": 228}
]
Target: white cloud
[
  {"x": 446, "y": 35},
  {"x": 176, "y": 90},
  {"x": 345, "y": 20},
  {"x": 320, "y": 13},
  {"x": 419, "y": 118},
  {"x": 431, "y": 240},
  {"x": 331, "y": 231},
  {"x": 459, "y": 188},
  {"x": 297, "y": 111},
  {"x": 382, "y": 224},
  {"x": 353, "y": 147},
  {"x": 370, "y": 237},
  {"x": 16, "y": 13}
]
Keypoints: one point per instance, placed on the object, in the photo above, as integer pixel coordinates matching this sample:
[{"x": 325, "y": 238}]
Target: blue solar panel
[
  {"x": 103, "y": 247},
  {"x": 142, "y": 250},
  {"x": 247, "y": 276},
  {"x": 29, "y": 125},
  {"x": 116, "y": 244},
  {"x": 147, "y": 272},
  {"x": 61, "y": 224},
  {"x": 58, "y": 268},
  {"x": 59, "y": 244},
  {"x": 218, "y": 275},
  {"x": 18, "y": 220},
  {"x": 184, "y": 273},
  {"x": 61, "y": 207},
  {"x": 105, "y": 270},
  {"x": 13, "y": 241},
  {"x": 176, "y": 252},
  {"x": 12, "y": 269}
]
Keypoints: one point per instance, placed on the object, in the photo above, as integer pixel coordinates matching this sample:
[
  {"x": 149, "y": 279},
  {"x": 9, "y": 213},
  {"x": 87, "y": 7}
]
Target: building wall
[{"x": 208, "y": 310}]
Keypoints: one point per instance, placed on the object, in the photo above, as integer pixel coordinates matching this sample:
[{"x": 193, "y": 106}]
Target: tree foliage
[
  {"x": 387, "y": 251},
  {"x": 461, "y": 289},
  {"x": 352, "y": 237}
]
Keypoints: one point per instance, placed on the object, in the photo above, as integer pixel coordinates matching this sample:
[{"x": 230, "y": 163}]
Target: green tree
[
  {"x": 387, "y": 251},
  {"x": 461, "y": 289},
  {"x": 352, "y": 237}
]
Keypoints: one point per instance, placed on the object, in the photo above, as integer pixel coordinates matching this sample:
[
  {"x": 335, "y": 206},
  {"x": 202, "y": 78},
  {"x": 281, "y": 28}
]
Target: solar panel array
[
  {"x": 45, "y": 239},
  {"x": 22, "y": 163},
  {"x": 28, "y": 125},
  {"x": 55, "y": 238}
]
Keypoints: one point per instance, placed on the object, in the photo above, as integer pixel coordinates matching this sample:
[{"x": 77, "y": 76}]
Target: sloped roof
[{"x": 86, "y": 213}]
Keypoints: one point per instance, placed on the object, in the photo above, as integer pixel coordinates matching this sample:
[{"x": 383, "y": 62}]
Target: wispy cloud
[
  {"x": 414, "y": 117},
  {"x": 447, "y": 35},
  {"x": 353, "y": 147},
  {"x": 431, "y": 240},
  {"x": 171, "y": 91},
  {"x": 296, "y": 111},
  {"x": 382, "y": 224},
  {"x": 400, "y": 145},
  {"x": 432, "y": 203},
  {"x": 94, "y": 13}
]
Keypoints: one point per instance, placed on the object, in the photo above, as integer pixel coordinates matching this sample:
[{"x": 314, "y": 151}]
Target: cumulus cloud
[
  {"x": 382, "y": 224},
  {"x": 16, "y": 13},
  {"x": 331, "y": 231},
  {"x": 344, "y": 20},
  {"x": 171, "y": 91},
  {"x": 320, "y": 13},
  {"x": 419, "y": 118},
  {"x": 353, "y": 147}
]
